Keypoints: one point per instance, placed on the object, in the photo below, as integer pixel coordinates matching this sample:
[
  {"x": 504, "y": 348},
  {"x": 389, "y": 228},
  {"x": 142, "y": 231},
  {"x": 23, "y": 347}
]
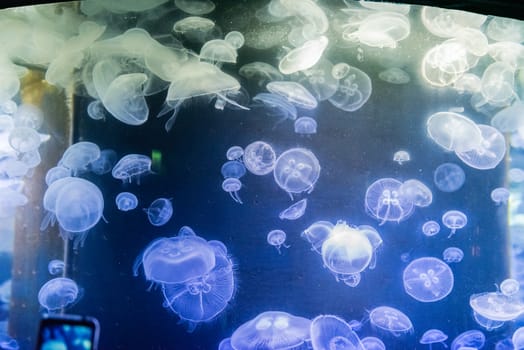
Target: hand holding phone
[{"x": 68, "y": 332}]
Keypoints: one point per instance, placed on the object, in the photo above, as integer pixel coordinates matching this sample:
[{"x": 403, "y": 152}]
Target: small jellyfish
[
  {"x": 353, "y": 91},
  {"x": 295, "y": 211},
  {"x": 160, "y": 211},
  {"x": 340, "y": 70},
  {"x": 233, "y": 168},
  {"x": 56, "y": 267},
  {"x": 235, "y": 39},
  {"x": 432, "y": 336},
  {"x": 394, "y": 75},
  {"x": 391, "y": 320},
  {"x": 96, "y": 110},
  {"x": 452, "y": 255},
  {"x": 259, "y": 158},
  {"x": 277, "y": 238},
  {"x": 430, "y": 228},
  {"x": 126, "y": 201},
  {"x": 305, "y": 126},
  {"x": 234, "y": 153},
  {"x": 401, "y": 157},
  {"x": 500, "y": 195},
  {"x": 218, "y": 50},
  {"x": 373, "y": 343},
  {"x": 428, "y": 279},
  {"x": 384, "y": 202},
  {"x": 454, "y": 220},
  {"x": 294, "y": 92},
  {"x": 416, "y": 192},
  {"x": 58, "y": 293},
  {"x": 296, "y": 170},
  {"x": 232, "y": 185},
  {"x": 509, "y": 287},
  {"x": 131, "y": 166},
  {"x": 449, "y": 177}
]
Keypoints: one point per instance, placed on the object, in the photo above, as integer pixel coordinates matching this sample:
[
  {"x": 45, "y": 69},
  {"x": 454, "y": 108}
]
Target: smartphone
[{"x": 68, "y": 332}]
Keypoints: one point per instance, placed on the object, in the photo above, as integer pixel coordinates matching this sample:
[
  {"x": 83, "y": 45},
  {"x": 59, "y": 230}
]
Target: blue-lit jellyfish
[
  {"x": 416, "y": 192},
  {"x": 96, "y": 110},
  {"x": 517, "y": 338},
  {"x": 295, "y": 211},
  {"x": 500, "y": 195},
  {"x": 332, "y": 332},
  {"x": 272, "y": 330},
  {"x": 232, "y": 185},
  {"x": 305, "y": 126},
  {"x": 277, "y": 238},
  {"x": 104, "y": 163},
  {"x": 449, "y": 177},
  {"x": 55, "y": 173},
  {"x": 159, "y": 211},
  {"x": 353, "y": 91},
  {"x": 225, "y": 344},
  {"x": 376, "y": 242},
  {"x": 296, "y": 170},
  {"x": 58, "y": 293},
  {"x": 373, "y": 343},
  {"x": 347, "y": 252},
  {"x": 176, "y": 259},
  {"x": 401, "y": 157},
  {"x": 391, "y": 320},
  {"x": 56, "y": 267},
  {"x": 430, "y": 228},
  {"x": 131, "y": 166},
  {"x": 384, "y": 202},
  {"x": 233, "y": 168},
  {"x": 509, "y": 287},
  {"x": 454, "y": 220},
  {"x": 428, "y": 279},
  {"x": 202, "y": 298},
  {"x": 317, "y": 233},
  {"x": 496, "y": 306},
  {"x": 432, "y": 336},
  {"x": 259, "y": 158},
  {"x": 452, "y": 255},
  {"x": 275, "y": 106},
  {"x": 126, "y": 201},
  {"x": 487, "y": 323},
  {"x": 79, "y": 156},
  {"x": 472, "y": 339},
  {"x": 234, "y": 153}
]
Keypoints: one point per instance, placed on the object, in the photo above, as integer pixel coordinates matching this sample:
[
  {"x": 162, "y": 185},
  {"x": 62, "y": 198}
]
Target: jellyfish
[
  {"x": 517, "y": 338},
  {"x": 486, "y": 323},
  {"x": 104, "y": 163},
  {"x": 225, "y": 344},
  {"x": 23, "y": 139},
  {"x": 235, "y": 153},
  {"x": 472, "y": 339},
  {"x": 176, "y": 259},
  {"x": 340, "y": 70},
  {"x": 29, "y": 116},
  {"x": 276, "y": 105},
  {"x": 375, "y": 240},
  {"x": 384, "y": 202},
  {"x": 218, "y": 50},
  {"x": 260, "y": 71},
  {"x": 79, "y": 156},
  {"x": 401, "y": 157},
  {"x": 489, "y": 153},
  {"x": 353, "y": 91},
  {"x": 452, "y": 255},
  {"x": 394, "y": 75},
  {"x": 204, "y": 297},
  {"x": 454, "y": 220},
  {"x": 96, "y": 110},
  {"x": 295, "y": 211},
  {"x": 131, "y": 166},
  {"x": 233, "y": 168},
  {"x": 304, "y": 56},
  {"x": 305, "y": 126},
  {"x": 391, "y": 320},
  {"x": 272, "y": 330},
  {"x": 259, "y": 158},
  {"x": 432, "y": 336},
  {"x": 428, "y": 279},
  {"x": 373, "y": 343},
  {"x": 416, "y": 192},
  {"x": 453, "y": 131},
  {"x": 56, "y": 267},
  {"x": 449, "y": 177},
  {"x": 296, "y": 170},
  {"x": 498, "y": 83},
  {"x": 496, "y": 306},
  {"x": 317, "y": 233},
  {"x": 126, "y": 201},
  {"x": 445, "y": 23},
  {"x": 58, "y": 293},
  {"x": 159, "y": 211},
  {"x": 347, "y": 250},
  {"x": 294, "y": 92},
  {"x": 232, "y": 185},
  {"x": 500, "y": 195},
  {"x": 384, "y": 29},
  {"x": 319, "y": 81},
  {"x": 509, "y": 287},
  {"x": 332, "y": 332},
  {"x": 277, "y": 238},
  {"x": 195, "y": 7}
]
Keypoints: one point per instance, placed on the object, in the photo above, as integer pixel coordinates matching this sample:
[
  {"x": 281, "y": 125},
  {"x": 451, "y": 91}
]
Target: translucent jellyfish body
[
  {"x": 496, "y": 306},
  {"x": 259, "y": 158},
  {"x": 401, "y": 157},
  {"x": 428, "y": 279},
  {"x": 304, "y": 56},
  {"x": 353, "y": 91},
  {"x": 79, "y": 156},
  {"x": 232, "y": 186},
  {"x": 449, "y": 177},
  {"x": 472, "y": 339},
  {"x": 454, "y": 220},
  {"x": 305, "y": 126},
  {"x": 488, "y": 153},
  {"x": 296, "y": 170},
  {"x": 277, "y": 238},
  {"x": 382, "y": 29},
  {"x": 390, "y": 320},
  {"x": 394, "y": 75},
  {"x": 453, "y": 131},
  {"x": 159, "y": 211},
  {"x": 452, "y": 255},
  {"x": 126, "y": 201},
  {"x": 294, "y": 211},
  {"x": 319, "y": 81},
  {"x": 56, "y": 267},
  {"x": 317, "y": 233},
  {"x": 272, "y": 330},
  {"x": 384, "y": 202},
  {"x": 233, "y": 168},
  {"x": 509, "y": 287},
  {"x": 332, "y": 332},
  {"x": 23, "y": 139},
  {"x": 416, "y": 192},
  {"x": 432, "y": 336},
  {"x": 58, "y": 293},
  {"x": 294, "y": 92},
  {"x": 131, "y": 166},
  {"x": 261, "y": 72},
  {"x": 104, "y": 163},
  {"x": 275, "y": 105},
  {"x": 234, "y": 153}
]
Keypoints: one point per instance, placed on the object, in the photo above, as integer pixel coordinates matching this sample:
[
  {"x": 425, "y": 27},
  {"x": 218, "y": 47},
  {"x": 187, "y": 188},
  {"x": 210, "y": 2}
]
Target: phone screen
[{"x": 68, "y": 332}]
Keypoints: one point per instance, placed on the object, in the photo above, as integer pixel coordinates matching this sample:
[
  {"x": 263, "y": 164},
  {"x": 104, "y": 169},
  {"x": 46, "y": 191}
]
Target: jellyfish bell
[
  {"x": 317, "y": 233},
  {"x": 452, "y": 255},
  {"x": 401, "y": 157},
  {"x": 277, "y": 238},
  {"x": 473, "y": 339},
  {"x": 296, "y": 170},
  {"x": 259, "y": 158},
  {"x": 509, "y": 286},
  {"x": 332, "y": 332},
  {"x": 232, "y": 185},
  {"x": 416, "y": 192},
  {"x": 384, "y": 201},
  {"x": 295, "y": 211},
  {"x": 159, "y": 211},
  {"x": 391, "y": 320},
  {"x": 218, "y": 50},
  {"x": 79, "y": 156},
  {"x": 489, "y": 153},
  {"x": 303, "y": 57},
  {"x": 449, "y": 177},
  {"x": 432, "y": 336},
  {"x": 58, "y": 293},
  {"x": 353, "y": 90},
  {"x": 453, "y": 131},
  {"x": 454, "y": 220},
  {"x": 262, "y": 72},
  {"x": 131, "y": 166},
  {"x": 496, "y": 306},
  {"x": 233, "y": 168},
  {"x": 305, "y": 126},
  {"x": 294, "y": 92},
  {"x": 428, "y": 279}
]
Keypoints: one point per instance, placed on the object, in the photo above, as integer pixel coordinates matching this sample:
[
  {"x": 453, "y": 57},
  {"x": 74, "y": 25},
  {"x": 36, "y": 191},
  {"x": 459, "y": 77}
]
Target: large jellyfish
[
  {"x": 353, "y": 91},
  {"x": 131, "y": 166},
  {"x": 259, "y": 158},
  {"x": 79, "y": 156},
  {"x": 296, "y": 170},
  {"x": 303, "y": 57},
  {"x": 489, "y": 153},
  {"x": 58, "y": 293}
]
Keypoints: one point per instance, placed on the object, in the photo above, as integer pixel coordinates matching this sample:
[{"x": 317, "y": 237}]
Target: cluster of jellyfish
[{"x": 196, "y": 276}]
